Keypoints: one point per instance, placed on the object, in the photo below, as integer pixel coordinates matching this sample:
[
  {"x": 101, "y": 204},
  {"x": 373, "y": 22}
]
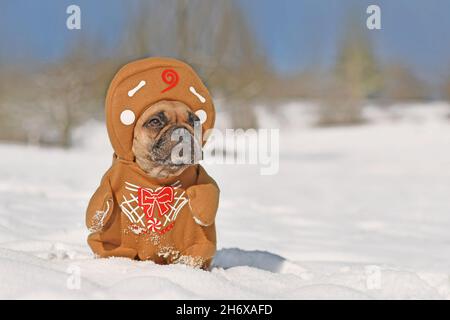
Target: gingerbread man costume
[{"x": 134, "y": 215}]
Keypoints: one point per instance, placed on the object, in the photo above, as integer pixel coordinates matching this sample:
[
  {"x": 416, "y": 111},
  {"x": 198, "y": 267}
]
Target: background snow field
[{"x": 354, "y": 213}]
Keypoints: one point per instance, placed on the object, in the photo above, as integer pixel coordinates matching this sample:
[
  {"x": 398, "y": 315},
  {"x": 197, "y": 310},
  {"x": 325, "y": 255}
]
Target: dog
[
  {"x": 154, "y": 139},
  {"x": 156, "y": 202}
]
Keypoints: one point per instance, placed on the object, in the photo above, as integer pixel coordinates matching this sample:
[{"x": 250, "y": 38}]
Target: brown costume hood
[{"x": 142, "y": 83}]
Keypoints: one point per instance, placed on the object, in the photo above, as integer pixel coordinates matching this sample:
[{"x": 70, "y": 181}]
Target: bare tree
[
  {"x": 210, "y": 35},
  {"x": 401, "y": 84},
  {"x": 66, "y": 93},
  {"x": 356, "y": 77},
  {"x": 446, "y": 88},
  {"x": 213, "y": 37}
]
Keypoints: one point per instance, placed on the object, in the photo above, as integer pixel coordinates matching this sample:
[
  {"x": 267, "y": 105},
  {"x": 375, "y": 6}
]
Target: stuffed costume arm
[
  {"x": 100, "y": 207},
  {"x": 204, "y": 199}
]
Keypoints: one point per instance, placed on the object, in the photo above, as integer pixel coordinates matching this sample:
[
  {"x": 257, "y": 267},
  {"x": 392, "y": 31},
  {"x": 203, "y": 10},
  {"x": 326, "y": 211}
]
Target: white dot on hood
[{"x": 127, "y": 117}]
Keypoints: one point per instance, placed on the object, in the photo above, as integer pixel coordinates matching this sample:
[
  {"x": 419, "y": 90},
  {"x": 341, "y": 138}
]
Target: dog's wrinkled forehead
[{"x": 168, "y": 112}]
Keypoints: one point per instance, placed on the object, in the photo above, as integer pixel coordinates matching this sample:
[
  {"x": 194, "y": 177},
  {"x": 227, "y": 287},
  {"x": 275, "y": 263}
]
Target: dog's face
[{"x": 164, "y": 143}]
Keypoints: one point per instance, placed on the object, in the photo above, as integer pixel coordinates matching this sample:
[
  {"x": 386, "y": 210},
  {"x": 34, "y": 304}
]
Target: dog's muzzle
[{"x": 177, "y": 147}]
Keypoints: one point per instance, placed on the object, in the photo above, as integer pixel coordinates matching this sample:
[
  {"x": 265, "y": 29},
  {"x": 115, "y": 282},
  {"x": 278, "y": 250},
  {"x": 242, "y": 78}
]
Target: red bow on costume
[{"x": 149, "y": 199}]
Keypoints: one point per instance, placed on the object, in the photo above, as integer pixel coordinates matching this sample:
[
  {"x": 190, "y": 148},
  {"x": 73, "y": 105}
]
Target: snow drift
[{"x": 354, "y": 213}]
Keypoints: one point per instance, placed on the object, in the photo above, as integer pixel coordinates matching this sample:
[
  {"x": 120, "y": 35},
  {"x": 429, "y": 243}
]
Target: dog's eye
[{"x": 154, "y": 123}]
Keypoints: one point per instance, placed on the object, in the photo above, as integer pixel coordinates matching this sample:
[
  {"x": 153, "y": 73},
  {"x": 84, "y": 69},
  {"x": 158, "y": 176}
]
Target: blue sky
[
  {"x": 294, "y": 33},
  {"x": 299, "y": 33}
]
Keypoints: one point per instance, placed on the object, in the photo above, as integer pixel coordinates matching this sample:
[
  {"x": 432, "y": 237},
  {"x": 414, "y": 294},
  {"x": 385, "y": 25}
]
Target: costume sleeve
[
  {"x": 204, "y": 199},
  {"x": 100, "y": 207}
]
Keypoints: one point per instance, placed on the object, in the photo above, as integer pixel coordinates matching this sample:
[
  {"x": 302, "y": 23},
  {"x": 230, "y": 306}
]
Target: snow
[{"x": 358, "y": 212}]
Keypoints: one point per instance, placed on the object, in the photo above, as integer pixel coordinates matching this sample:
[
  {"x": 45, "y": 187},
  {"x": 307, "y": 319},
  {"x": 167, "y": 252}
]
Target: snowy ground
[{"x": 358, "y": 212}]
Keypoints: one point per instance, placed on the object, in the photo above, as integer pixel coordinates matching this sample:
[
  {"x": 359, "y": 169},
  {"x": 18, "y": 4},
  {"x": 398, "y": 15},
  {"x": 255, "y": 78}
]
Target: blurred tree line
[
  {"x": 212, "y": 36},
  {"x": 44, "y": 106},
  {"x": 358, "y": 77}
]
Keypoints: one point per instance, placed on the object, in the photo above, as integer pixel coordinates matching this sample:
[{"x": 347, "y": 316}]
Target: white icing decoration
[
  {"x": 127, "y": 117},
  {"x": 198, "y": 95},
  {"x": 199, "y": 222},
  {"x": 136, "y": 89},
  {"x": 202, "y": 115}
]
